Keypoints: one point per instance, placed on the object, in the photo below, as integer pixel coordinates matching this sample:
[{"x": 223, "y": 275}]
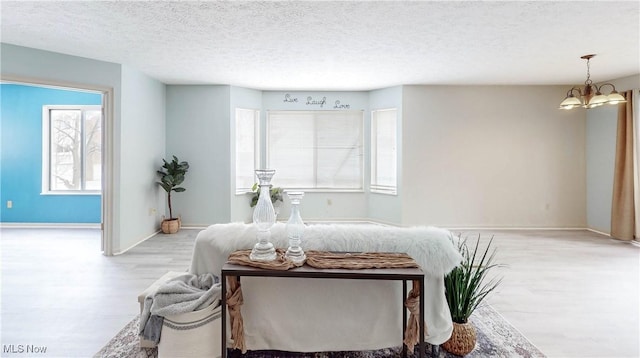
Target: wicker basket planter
[
  {"x": 170, "y": 226},
  {"x": 463, "y": 339}
]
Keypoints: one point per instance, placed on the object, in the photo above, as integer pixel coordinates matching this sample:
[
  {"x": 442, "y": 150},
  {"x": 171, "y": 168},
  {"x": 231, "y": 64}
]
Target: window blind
[
  {"x": 246, "y": 148},
  {"x": 316, "y": 149},
  {"x": 384, "y": 151}
]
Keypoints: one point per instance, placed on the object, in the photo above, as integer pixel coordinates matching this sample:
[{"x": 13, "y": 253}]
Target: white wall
[
  {"x": 45, "y": 65},
  {"x": 466, "y": 162},
  {"x": 198, "y": 127},
  {"x": 143, "y": 135},
  {"x": 602, "y": 125},
  {"x": 200, "y": 130},
  {"x": 471, "y": 155},
  {"x": 492, "y": 156},
  {"x": 382, "y": 207}
]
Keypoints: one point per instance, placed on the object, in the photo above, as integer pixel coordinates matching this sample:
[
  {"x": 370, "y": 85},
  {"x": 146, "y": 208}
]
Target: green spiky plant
[
  {"x": 171, "y": 175},
  {"x": 467, "y": 286}
]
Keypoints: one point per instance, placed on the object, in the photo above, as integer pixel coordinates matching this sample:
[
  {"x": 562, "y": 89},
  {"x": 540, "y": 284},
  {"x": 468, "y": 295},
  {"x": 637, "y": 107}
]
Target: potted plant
[
  {"x": 275, "y": 193},
  {"x": 171, "y": 175},
  {"x": 465, "y": 288}
]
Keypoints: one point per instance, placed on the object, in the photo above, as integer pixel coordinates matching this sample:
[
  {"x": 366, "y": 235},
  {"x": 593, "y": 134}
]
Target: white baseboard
[
  {"x": 599, "y": 232},
  {"x": 152, "y": 235},
  {"x": 516, "y": 228},
  {"x": 634, "y": 242},
  {"x": 50, "y": 225},
  {"x": 137, "y": 243}
]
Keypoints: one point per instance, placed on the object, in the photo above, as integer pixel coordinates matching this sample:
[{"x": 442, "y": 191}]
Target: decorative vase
[
  {"x": 463, "y": 339},
  {"x": 295, "y": 229},
  {"x": 264, "y": 216}
]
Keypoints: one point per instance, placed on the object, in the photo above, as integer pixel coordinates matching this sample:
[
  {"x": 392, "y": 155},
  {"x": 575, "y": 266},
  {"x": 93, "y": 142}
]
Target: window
[
  {"x": 246, "y": 148},
  {"x": 316, "y": 149},
  {"x": 384, "y": 151},
  {"x": 72, "y": 151}
]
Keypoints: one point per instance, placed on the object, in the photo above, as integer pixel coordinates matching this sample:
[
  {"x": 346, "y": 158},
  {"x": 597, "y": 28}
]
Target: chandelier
[{"x": 590, "y": 95}]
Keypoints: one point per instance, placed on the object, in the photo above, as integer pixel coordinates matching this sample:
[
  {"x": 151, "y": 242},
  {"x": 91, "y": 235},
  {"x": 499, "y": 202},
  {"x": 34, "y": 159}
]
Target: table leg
[
  {"x": 404, "y": 317},
  {"x": 223, "y": 302},
  {"x": 421, "y": 340},
  {"x": 435, "y": 350}
]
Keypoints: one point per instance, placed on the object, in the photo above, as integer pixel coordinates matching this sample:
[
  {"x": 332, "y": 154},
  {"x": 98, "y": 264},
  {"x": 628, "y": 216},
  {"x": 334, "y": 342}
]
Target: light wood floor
[{"x": 572, "y": 293}]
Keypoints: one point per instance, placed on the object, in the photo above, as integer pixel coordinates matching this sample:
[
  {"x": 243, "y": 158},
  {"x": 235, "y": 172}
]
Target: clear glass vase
[
  {"x": 264, "y": 216},
  {"x": 295, "y": 229}
]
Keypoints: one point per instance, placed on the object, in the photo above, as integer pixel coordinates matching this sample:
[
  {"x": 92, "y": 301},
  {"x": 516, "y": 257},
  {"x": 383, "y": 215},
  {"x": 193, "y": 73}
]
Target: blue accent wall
[{"x": 21, "y": 158}]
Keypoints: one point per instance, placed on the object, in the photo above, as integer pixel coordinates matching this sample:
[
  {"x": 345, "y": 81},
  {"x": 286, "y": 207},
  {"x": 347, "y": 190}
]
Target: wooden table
[{"x": 397, "y": 274}]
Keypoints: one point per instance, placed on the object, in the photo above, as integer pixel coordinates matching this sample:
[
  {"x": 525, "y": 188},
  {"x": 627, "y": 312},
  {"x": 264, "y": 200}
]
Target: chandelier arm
[
  {"x": 570, "y": 92},
  {"x": 613, "y": 88}
]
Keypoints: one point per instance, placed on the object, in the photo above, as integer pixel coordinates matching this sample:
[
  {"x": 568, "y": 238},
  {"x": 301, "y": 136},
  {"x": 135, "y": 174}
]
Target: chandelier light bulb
[{"x": 615, "y": 97}]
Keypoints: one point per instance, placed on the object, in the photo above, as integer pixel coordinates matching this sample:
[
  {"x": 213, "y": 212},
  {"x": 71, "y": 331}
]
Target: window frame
[
  {"x": 256, "y": 147},
  {"x": 46, "y": 149},
  {"x": 316, "y": 189},
  {"x": 378, "y": 188}
]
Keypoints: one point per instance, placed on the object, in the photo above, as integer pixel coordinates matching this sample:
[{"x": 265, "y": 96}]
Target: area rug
[{"x": 496, "y": 338}]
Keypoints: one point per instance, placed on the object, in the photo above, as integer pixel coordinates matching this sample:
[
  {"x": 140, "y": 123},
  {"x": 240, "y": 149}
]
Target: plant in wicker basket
[
  {"x": 171, "y": 175},
  {"x": 465, "y": 288}
]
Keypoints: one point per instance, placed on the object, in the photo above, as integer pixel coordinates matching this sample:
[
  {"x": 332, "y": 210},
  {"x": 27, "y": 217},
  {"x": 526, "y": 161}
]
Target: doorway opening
[{"x": 55, "y": 157}]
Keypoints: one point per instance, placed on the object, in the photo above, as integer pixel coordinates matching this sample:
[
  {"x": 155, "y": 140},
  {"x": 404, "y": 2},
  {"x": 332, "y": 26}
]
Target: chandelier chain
[{"x": 588, "y": 81}]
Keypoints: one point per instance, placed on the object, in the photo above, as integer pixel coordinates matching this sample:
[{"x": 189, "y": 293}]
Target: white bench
[{"x": 336, "y": 313}]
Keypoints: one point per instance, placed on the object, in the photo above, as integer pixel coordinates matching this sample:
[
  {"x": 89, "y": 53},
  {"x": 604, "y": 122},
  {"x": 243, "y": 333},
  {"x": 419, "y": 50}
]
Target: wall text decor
[
  {"x": 337, "y": 105},
  {"x": 289, "y": 99},
  {"x": 316, "y": 102},
  {"x": 313, "y": 101}
]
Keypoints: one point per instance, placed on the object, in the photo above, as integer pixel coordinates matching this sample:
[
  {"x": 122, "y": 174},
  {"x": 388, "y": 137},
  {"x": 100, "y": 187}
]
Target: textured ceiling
[{"x": 339, "y": 45}]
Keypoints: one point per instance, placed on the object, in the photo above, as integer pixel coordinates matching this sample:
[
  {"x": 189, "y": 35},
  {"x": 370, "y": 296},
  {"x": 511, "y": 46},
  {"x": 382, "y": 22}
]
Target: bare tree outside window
[{"x": 75, "y": 148}]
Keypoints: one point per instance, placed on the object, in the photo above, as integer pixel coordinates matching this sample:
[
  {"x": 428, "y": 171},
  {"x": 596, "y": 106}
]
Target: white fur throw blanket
[
  {"x": 431, "y": 247},
  {"x": 315, "y": 315}
]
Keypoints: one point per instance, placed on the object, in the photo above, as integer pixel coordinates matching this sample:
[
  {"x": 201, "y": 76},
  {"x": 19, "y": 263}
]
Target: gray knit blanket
[{"x": 181, "y": 294}]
